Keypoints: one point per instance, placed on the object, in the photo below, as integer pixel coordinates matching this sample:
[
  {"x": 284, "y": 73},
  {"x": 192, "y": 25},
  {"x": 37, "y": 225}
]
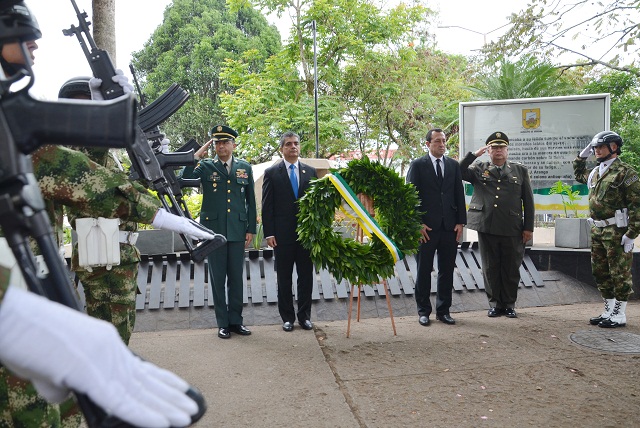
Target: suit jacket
[
  {"x": 442, "y": 206},
  {"x": 228, "y": 199},
  {"x": 279, "y": 205},
  {"x": 501, "y": 204}
]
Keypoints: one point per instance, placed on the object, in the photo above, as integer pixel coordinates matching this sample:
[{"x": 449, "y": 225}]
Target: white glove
[
  {"x": 59, "y": 349},
  {"x": 168, "y": 221},
  {"x": 119, "y": 78},
  {"x": 94, "y": 87},
  {"x": 123, "y": 81},
  {"x": 586, "y": 152},
  {"x": 627, "y": 243},
  {"x": 164, "y": 145}
]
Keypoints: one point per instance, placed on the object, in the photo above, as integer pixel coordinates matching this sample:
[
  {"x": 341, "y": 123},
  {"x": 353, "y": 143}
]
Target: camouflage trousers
[
  {"x": 111, "y": 295},
  {"x": 610, "y": 265},
  {"x": 22, "y": 407}
]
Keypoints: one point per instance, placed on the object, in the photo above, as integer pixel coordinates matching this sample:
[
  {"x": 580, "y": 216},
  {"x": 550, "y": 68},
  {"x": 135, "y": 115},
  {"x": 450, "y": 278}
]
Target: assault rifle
[
  {"x": 145, "y": 164},
  {"x": 25, "y": 125},
  {"x": 176, "y": 183}
]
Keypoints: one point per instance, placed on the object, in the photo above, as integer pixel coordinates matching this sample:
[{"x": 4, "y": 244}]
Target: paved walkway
[{"x": 524, "y": 372}]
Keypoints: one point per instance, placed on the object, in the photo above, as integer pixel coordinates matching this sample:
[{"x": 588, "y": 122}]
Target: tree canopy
[{"x": 190, "y": 49}]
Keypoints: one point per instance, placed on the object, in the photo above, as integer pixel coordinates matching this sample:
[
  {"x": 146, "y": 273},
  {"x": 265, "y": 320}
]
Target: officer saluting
[
  {"x": 502, "y": 211},
  {"x": 229, "y": 208},
  {"x": 614, "y": 208}
]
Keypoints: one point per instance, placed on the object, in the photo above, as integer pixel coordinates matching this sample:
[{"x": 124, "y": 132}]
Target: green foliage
[
  {"x": 190, "y": 48},
  {"x": 625, "y": 109},
  {"x": 525, "y": 78},
  {"x": 570, "y": 203},
  {"x": 602, "y": 33},
  {"x": 396, "y": 211},
  {"x": 256, "y": 243}
]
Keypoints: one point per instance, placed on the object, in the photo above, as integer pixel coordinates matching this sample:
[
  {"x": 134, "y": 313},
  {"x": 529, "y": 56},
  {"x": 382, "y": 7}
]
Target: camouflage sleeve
[
  {"x": 631, "y": 183},
  {"x": 71, "y": 178},
  {"x": 580, "y": 170}
]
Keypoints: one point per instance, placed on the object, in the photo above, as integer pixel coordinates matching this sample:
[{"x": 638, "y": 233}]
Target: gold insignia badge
[
  {"x": 531, "y": 118},
  {"x": 498, "y": 135},
  {"x": 219, "y": 128}
]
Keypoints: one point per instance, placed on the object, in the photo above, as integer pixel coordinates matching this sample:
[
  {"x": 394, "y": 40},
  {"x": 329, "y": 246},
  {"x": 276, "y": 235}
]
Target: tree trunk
[{"x": 104, "y": 26}]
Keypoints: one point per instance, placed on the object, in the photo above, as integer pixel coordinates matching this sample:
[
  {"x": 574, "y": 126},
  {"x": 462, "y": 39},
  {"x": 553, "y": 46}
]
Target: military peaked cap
[
  {"x": 498, "y": 139},
  {"x": 222, "y": 132}
]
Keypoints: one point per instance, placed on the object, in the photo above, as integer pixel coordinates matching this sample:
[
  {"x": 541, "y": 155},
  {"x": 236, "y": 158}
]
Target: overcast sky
[{"x": 60, "y": 57}]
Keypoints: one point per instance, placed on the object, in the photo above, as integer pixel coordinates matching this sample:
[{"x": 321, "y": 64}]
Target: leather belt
[
  {"x": 602, "y": 223},
  {"x": 128, "y": 237}
]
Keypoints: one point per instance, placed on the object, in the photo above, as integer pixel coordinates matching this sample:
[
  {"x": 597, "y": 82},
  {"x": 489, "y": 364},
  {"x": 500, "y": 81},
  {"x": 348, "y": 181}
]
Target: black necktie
[
  {"x": 438, "y": 170},
  {"x": 226, "y": 168}
]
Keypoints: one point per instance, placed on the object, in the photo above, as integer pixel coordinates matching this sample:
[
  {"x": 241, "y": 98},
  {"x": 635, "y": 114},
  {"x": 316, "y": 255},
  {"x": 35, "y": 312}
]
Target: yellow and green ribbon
[{"x": 353, "y": 209}]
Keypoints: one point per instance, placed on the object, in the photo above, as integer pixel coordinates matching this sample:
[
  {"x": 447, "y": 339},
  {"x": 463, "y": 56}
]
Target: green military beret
[
  {"x": 222, "y": 132},
  {"x": 497, "y": 139}
]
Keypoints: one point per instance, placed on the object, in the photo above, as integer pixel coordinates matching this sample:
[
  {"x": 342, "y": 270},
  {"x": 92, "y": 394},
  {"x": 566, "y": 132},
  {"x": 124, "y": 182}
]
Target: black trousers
[
  {"x": 444, "y": 243},
  {"x": 286, "y": 256}
]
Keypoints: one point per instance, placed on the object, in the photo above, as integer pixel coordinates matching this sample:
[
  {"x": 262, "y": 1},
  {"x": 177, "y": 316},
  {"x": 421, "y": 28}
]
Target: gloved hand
[
  {"x": 627, "y": 243},
  {"x": 168, "y": 221},
  {"x": 123, "y": 81},
  {"x": 59, "y": 349},
  {"x": 119, "y": 78},
  {"x": 94, "y": 87},
  {"x": 164, "y": 145},
  {"x": 586, "y": 152}
]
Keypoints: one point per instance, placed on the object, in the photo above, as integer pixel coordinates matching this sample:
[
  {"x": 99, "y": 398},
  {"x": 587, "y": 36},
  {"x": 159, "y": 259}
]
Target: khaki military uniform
[
  {"x": 617, "y": 188},
  {"x": 228, "y": 208},
  {"x": 501, "y": 208}
]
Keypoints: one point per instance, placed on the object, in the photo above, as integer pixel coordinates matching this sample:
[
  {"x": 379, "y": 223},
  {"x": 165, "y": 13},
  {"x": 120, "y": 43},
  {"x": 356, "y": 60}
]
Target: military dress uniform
[
  {"x": 501, "y": 208},
  {"x": 228, "y": 208},
  {"x": 618, "y": 187}
]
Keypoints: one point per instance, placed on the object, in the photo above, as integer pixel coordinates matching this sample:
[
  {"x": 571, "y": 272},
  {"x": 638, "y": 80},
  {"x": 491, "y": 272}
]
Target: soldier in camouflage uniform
[
  {"x": 110, "y": 294},
  {"x": 614, "y": 208},
  {"x": 68, "y": 177}
]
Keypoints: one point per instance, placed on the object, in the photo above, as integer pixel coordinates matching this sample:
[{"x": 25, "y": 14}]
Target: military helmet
[
  {"x": 75, "y": 86},
  {"x": 17, "y": 23},
  {"x": 606, "y": 137}
]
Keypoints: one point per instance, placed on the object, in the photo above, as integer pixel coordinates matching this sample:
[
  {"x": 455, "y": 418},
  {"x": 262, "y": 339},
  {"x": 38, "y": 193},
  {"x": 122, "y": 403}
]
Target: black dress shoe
[
  {"x": 287, "y": 326},
  {"x": 240, "y": 329},
  {"x": 510, "y": 313},
  {"x": 224, "y": 333},
  {"x": 306, "y": 325},
  {"x": 494, "y": 312},
  {"x": 446, "y": 318},
  {"x": 423, "y": 321}
]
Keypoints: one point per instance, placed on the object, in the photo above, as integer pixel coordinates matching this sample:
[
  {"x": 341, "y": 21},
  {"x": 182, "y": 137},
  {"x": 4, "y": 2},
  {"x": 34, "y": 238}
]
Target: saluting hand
[
  {"x": 481, "y": 151},
  {"x": 202, "y": 151}
]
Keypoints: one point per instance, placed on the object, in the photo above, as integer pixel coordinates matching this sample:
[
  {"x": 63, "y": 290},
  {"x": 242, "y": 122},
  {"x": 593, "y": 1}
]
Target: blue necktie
[{"x": 294, "y": 180}]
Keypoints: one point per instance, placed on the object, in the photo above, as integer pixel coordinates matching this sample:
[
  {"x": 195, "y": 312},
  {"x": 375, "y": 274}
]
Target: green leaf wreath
[{"x": 396, "y": 211}]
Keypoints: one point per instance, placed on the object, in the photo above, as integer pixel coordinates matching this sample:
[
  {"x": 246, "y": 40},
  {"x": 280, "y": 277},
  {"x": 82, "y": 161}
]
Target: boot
[
  {"x": 617, "y": 318},
  {"x": 608, "y": 307}
]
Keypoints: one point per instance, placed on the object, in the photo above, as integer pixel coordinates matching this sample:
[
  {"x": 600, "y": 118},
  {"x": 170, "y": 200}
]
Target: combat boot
[
  {"x": 608, "y": 307},
  {"x": 617, "y": 318}
]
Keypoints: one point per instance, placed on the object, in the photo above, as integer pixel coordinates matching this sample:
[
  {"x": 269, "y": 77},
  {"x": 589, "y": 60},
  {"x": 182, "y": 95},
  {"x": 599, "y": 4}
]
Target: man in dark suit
[
  {"x": 282, "y": 185},
  {"x": 501, "y": 210},
  {"x": 228, "y": 207},
  {"x": 438, "y": 181}
]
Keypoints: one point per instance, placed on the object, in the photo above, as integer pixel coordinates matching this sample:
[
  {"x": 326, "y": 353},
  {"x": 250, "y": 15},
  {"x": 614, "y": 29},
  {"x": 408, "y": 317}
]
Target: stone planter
[{"x": 572, "y": 233}]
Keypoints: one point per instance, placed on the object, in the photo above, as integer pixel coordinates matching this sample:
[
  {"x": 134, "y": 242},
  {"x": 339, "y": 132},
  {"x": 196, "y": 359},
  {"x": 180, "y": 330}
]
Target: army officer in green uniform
[
  {"x": 501, "y": 210},
  {"x": 229, "y": 208}
]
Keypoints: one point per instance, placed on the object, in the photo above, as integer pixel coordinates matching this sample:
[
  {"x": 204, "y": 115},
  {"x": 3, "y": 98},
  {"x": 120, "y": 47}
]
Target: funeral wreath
[{"x": 396, "y": 220}]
